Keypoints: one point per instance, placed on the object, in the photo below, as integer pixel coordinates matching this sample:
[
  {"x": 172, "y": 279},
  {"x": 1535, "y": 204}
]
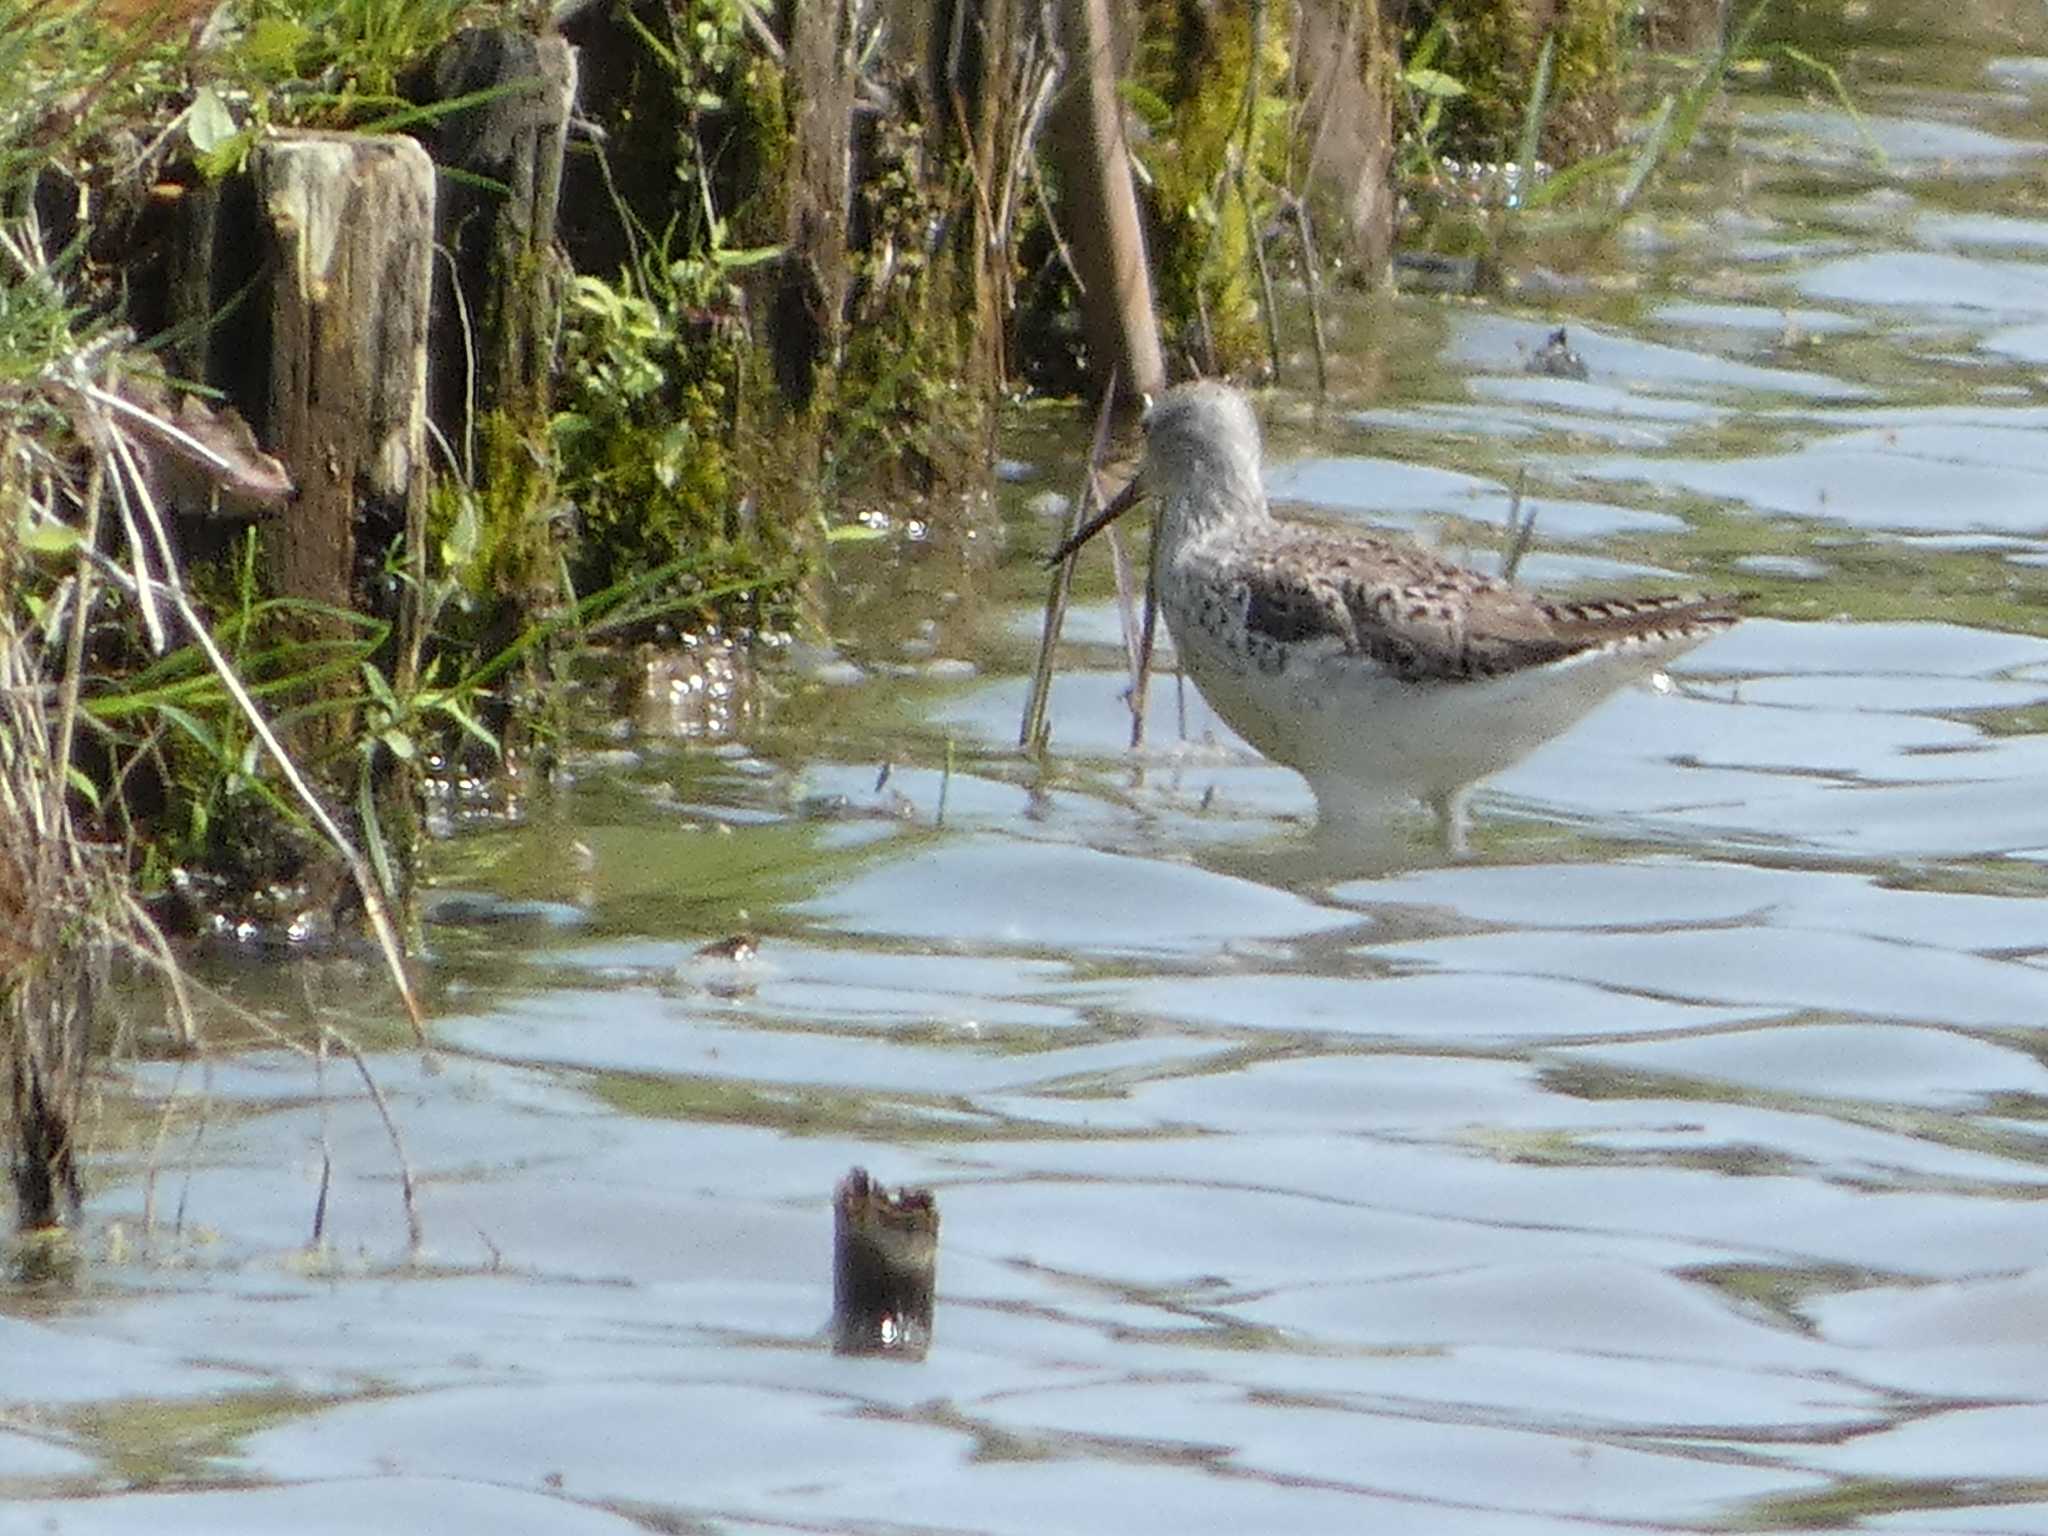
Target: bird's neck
[{"x": 1223, "y": 496}]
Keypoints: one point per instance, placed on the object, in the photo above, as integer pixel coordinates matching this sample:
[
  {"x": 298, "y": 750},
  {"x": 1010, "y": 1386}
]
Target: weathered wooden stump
[
  {"x": 497, "y": 305},
  {"x": 808, "y": 313},
  {"x": 350, "y": 224},
  {"x": 885, "y": 1252},
  {"x": 48, "y": 1014},
  {"x": 497, "y": 311},
  {"x": 1347, "y": 114}
]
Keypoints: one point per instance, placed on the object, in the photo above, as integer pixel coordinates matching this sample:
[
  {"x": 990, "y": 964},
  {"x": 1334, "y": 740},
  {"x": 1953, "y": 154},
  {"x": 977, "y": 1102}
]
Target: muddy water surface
[{"x": 1674, "y": 1163}]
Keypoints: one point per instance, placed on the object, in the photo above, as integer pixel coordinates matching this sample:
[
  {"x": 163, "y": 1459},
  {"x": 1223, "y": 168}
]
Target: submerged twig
[
  {"x": 270, "y": 1032},
  {"x": 1126, "y": 600},
  {"x": 414, "y": 1229},
  {"x": 1520, "y": 529},
  {"x": 154, "y": 1162},
  {"x": 326, "y": 1151},
  {"x": 192, "y": 1152},
  {"x": 1141, "y": 681},
  {"x": 173, "y": 973},
  {"x": 1312, "y": 274},
  {"x": 1036, "y": 728}
]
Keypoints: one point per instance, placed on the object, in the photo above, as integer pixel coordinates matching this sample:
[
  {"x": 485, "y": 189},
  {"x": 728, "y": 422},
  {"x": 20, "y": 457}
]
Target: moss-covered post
[
  {"x": 1684, "y": 26},
  {"x": 1347, "y": 120},
  {"x": 1214, "y": 68},
  {"x": 498, "y": 304},
  {"x": 967, "y": 85},
  {"x": 497, "y": 312},
  {"x": 810, "y": 299}
]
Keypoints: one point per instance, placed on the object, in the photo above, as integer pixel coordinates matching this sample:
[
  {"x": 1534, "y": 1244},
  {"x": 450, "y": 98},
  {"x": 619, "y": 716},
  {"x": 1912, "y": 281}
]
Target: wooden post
[
  {"x": 810, "y": 295},
  {"x": 885, "y": 1252},
  {"x": 1101, "y": 217},
  {"x": 350, "y": 221},
  {"x": 968, "y": 76},
  {"x": 1348, "y": 119},
  {"x": 499, "y": 312},
  {"x": 497, "y": 318}
]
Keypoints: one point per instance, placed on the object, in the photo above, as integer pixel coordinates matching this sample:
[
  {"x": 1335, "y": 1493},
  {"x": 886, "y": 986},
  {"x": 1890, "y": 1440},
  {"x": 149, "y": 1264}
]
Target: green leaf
[
  {"x": 380, "y": 690},
  {"x": 1434, "y": 83},
  {"x": 209, "y": 125},
  {"x": 228, "y": 158},
  {"x": 1147, "y": 104},
  {"x": 1431, "y": 42},
  {"x": 1651, "y": 153},
  {"x": 1532, "y": 120},
  {"x": 465, "y": 534},
  {"x": 271, "y": 47},
  {"x": 373, "y": 836},
  {"x": 754, "y": 256},
  {"x": 469, "y": 723},
  {"x": 853, "y": 533},
  {"x": 400, "y": 744},
  {"x": 76, "y": 778},
  {"x": 197, "y": 729},
  {"x": 52, "y": 539},
  {"x": 1827, "y": 72}
]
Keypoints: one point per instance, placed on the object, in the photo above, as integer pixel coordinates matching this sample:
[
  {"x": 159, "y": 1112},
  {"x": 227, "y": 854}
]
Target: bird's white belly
[{"x": 1332, "y": 715}]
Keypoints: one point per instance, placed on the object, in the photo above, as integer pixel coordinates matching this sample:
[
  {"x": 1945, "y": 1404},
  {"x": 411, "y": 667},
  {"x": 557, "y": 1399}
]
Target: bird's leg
[{"x": 1452, "y": 821}]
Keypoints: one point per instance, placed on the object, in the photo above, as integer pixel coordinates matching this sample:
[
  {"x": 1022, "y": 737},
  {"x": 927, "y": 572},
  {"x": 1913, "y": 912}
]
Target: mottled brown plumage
[
  {"x": 1423, "y": 618},
  {"x": 1373, "y": 667}
]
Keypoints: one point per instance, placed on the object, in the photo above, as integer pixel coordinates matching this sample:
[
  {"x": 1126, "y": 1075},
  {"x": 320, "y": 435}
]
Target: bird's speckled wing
[{"x": 1424, "y": 618}]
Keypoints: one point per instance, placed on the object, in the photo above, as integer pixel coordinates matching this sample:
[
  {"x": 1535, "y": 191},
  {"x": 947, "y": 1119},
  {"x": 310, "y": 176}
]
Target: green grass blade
[
  {"x": 1532, "y": 120},
  {"x": 1652, "y": 152}
]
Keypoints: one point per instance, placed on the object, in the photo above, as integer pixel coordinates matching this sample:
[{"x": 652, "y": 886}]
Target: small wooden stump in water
[{"x": 885, "y": 1253}]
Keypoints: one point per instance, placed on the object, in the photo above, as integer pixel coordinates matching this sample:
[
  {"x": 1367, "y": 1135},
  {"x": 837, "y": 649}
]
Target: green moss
[
  {"x": 362, "y": 47},
  {"x": 1193, "y": 68},
  {"x": 1491, "y": 47},
  {"x": 1846, "y": 1503},
  {"x": 656, "y": 433},
  {"x": 497, "y": 543},
  {"x": 151, "y": 1441},
  {"x": 644, "y": 434},
  {"x": 880, "y": 1115},
  {"x": 900, "y": 423},
  {"x": 896, "y": 419},
  {"x": 760, "y": 145}
]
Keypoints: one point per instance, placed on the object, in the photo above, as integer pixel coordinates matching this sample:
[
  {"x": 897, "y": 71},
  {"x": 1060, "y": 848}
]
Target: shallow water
[{"x": 1673, "y": 1163}]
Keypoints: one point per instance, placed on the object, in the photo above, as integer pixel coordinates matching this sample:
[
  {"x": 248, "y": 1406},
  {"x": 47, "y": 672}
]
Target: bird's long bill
[{"x": 1125, "y": 499}]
